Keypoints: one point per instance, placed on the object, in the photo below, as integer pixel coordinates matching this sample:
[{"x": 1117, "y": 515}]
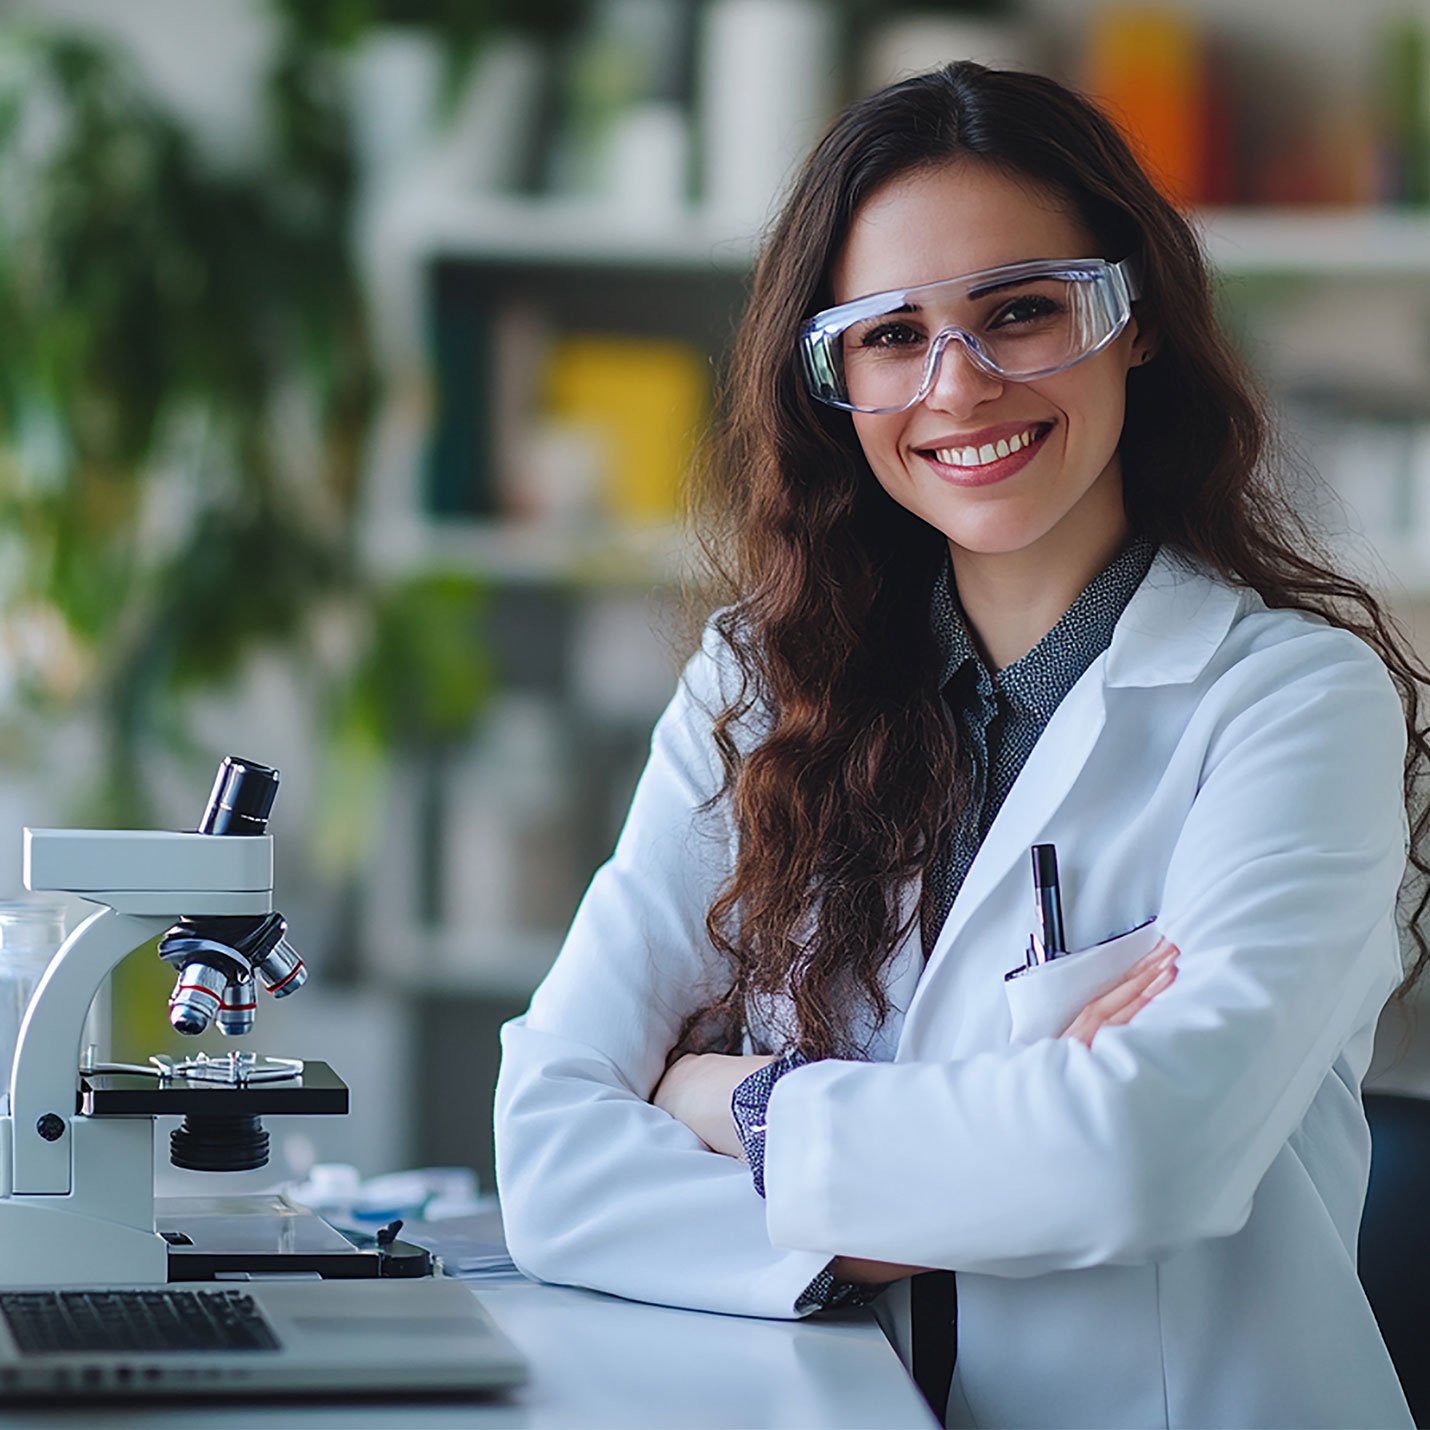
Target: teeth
[{"x": 988, "y": 452}]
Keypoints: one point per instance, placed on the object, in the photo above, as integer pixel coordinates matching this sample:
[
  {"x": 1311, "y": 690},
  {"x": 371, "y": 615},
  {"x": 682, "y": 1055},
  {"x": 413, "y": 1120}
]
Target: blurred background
[{"x": 353, "y": 356}]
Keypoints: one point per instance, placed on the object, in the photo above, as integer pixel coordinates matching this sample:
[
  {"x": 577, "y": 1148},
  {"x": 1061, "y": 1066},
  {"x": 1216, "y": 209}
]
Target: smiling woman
[
  {"x": 1008, "y": 567},
  {"x": 1055, "y": 504}
]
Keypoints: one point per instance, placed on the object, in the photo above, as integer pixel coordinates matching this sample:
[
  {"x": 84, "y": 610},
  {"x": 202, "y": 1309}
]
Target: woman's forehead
[{"x": 956, "y": 218}]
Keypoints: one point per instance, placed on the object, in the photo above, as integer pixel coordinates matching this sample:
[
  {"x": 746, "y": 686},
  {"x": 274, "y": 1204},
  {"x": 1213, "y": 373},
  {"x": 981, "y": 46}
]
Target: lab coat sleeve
[
  {"x": 1280, "y": 894},
  {"x": 598, "y": 1187}
]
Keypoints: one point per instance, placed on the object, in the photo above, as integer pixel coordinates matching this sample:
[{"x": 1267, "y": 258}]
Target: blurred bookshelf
[
  {"x": 532, "y": 336},
  {"x": 584, "y": 234},
  {"x": 594, "y": 271}
]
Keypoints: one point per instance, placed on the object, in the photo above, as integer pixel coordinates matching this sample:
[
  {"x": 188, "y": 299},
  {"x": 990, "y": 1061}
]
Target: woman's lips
[{"x": 999, "y": 469}]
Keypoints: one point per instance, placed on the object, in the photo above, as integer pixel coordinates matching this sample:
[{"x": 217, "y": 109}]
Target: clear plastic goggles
[{"x": 1021, "y": 322}]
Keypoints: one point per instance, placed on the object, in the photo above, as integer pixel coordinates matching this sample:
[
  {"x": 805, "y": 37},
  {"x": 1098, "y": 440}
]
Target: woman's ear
[{"x": 1145, "y": 341}]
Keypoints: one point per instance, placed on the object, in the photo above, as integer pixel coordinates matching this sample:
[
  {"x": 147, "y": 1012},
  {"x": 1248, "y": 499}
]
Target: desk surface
[{"x": 598, "y": 1361}]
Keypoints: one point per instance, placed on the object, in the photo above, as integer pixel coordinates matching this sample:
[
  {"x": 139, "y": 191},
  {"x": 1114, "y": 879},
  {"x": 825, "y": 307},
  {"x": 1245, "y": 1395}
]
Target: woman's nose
[{"x": 958, "y": 383}]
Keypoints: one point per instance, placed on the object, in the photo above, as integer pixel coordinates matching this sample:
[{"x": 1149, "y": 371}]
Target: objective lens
[
  {"x": 197, "y": 996},
  {"x": 236, "y": 1014},
  {"x": 282, "y": 969}
]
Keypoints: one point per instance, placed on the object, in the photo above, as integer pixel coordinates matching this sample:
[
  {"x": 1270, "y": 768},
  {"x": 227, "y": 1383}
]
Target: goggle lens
[{"x": 1022, "y": 323}]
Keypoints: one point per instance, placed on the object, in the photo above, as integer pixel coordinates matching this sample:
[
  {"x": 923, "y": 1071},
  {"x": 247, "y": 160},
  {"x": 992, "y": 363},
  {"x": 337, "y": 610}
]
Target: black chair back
[{"x": 1395, "y": 1238}]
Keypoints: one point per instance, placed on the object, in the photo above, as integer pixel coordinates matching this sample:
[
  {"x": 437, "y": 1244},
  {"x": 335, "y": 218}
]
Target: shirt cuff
[
  {"x": 748, "y": 1104},
  {"x": 825, "y": 1293}
]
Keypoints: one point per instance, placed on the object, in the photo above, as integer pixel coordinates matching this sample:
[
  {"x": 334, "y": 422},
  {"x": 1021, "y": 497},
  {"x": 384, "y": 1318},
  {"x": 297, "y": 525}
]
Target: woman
[{"x": 1009, "y": 569}]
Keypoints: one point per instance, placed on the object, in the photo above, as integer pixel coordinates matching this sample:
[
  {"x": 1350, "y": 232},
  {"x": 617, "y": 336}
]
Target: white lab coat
[{"x": 1157, "y": 1231}]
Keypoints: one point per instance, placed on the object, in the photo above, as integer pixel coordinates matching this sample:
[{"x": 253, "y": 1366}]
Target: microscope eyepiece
[{"x": 241, "y": 799}]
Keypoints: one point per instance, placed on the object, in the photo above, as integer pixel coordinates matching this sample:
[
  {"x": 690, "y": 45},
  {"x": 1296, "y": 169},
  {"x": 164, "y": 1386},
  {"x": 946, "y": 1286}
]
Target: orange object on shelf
[{"x": 1147, "y": 68}]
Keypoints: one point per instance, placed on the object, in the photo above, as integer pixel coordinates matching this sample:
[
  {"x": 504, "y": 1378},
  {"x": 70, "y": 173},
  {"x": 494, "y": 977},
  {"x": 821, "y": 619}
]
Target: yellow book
[{"x": 644, "y": 399}]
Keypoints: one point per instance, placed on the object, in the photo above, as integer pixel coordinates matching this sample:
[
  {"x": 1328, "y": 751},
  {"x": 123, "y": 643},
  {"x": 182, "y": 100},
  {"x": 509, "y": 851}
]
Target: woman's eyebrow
[
  {"x": 984, "y": 289},
  {"x": 904, "y": 307}
]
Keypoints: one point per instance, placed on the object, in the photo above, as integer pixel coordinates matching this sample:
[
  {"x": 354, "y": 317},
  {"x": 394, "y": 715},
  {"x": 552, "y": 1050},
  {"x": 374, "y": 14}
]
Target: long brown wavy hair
[{"x": 855, "y": 781}]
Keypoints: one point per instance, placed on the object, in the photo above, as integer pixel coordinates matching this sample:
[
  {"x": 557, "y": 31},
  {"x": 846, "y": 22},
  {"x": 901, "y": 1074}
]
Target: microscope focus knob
[{"x": 51, "y": 1126}]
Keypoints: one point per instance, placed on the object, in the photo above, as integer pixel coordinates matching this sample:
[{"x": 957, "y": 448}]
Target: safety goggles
[{"x": 1020, "y": 322}]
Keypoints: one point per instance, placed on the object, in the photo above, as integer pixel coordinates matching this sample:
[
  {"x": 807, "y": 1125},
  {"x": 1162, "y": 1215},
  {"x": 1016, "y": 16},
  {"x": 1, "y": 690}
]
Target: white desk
[{"x": 607, "y": 1364}]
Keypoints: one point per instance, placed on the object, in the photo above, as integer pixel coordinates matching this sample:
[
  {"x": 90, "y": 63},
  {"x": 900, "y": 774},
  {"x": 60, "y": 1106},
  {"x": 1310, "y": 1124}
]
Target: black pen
[{"x": 1050, "y": 904}]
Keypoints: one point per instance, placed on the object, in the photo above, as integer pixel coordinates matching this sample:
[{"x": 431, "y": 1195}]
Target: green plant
[
  {"x": 158, "y": 315},
  {"x": 186, "y": 384}
]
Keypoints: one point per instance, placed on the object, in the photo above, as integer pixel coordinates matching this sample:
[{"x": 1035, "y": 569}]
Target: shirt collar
[{"x": 1039, "y": 679}]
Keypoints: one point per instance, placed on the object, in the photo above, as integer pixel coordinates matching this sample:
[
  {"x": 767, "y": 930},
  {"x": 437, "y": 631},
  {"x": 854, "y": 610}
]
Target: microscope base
[
  {"x": 102, "y": 1231},
  {"x": 214, "y": 1238},
  {"x": 57, "y": 1246}
]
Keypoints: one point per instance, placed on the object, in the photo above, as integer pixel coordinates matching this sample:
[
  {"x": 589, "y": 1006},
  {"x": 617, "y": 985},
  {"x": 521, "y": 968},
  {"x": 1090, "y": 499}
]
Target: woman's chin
[{"x": 994, "y": 536}]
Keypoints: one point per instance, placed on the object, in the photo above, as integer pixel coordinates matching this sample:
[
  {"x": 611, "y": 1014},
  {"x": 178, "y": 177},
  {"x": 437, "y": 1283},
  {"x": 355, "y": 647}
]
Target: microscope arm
[
  {"x": 117, "y": 870},
  {"x": 47, "y": 1058}
]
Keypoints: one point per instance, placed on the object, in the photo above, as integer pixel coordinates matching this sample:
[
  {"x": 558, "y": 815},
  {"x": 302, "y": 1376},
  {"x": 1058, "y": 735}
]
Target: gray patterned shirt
[{"x": 998, "y": 716}]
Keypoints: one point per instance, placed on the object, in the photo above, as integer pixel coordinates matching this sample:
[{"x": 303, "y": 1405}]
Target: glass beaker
[{"x": 31, "y": 931}]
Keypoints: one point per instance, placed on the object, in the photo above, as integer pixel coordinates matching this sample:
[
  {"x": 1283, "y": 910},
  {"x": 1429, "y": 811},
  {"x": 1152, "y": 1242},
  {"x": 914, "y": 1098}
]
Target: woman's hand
[
  {"x": 863, "y": 1272},
  {"x": 1148, "y": 977},
  {"x": 696, "y": 1090},
  {"x": 1120, "y": 1004}
]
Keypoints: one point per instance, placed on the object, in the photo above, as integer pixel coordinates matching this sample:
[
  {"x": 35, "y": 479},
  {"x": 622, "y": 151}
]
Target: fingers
[
  {"x": 1134, "y": 982},
  {"x": 1126, "y": 998},
  {"x": 1128, "y": 1011}
]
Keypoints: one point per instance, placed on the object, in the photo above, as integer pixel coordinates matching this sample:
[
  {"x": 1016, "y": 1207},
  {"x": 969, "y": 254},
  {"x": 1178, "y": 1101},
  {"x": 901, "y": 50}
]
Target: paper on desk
[{"x": 472, "y": 1248}]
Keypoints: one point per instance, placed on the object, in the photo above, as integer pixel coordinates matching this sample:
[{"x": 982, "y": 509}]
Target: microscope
[{"x": 77, "y": 1201}]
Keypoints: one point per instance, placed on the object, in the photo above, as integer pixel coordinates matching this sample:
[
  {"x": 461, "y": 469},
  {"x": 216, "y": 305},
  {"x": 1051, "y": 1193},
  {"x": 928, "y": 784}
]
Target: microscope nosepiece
[
  {"x": 240, "y": 1004},
  {"x": 283, "y": 969},
  {"x": 197, "y": 996}
]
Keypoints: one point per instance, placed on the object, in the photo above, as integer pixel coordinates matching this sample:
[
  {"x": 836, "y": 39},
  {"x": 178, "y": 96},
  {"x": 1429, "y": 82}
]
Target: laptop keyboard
[{"x": 60, "y": 1322}]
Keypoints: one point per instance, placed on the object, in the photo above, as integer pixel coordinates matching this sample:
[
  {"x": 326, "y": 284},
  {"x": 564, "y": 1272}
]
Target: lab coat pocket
[{"x": 1046, "y": 998}]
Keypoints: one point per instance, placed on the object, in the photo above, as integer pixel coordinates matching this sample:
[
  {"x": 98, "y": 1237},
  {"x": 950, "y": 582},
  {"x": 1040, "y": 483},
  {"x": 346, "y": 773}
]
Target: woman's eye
[
  {"x": 889, "y": 335},
  {"x": 1028, "y": 309}
]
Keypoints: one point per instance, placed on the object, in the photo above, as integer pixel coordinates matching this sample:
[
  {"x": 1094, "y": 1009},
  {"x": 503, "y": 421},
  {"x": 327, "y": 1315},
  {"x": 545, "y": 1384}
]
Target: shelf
[
  {"x": 1317, "y": 242},
  {"x": 578, "y": 232},
  {"x": 559, "y": 232},
  {"x": 535, "y": 554}
]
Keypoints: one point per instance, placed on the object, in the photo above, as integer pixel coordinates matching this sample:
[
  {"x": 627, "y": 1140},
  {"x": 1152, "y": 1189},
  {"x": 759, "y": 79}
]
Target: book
[
  {"x": 1146, "y": 67},
  {"x": 642, "y": 401}
]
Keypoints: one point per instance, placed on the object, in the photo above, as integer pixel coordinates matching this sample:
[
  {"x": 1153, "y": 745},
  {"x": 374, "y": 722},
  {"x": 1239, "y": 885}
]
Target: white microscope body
[{"x": 77, "y": 1192}]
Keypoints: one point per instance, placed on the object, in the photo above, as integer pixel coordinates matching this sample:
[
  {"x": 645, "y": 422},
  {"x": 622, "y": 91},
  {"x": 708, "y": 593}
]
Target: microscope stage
[{"x": 319, "y": 1090}]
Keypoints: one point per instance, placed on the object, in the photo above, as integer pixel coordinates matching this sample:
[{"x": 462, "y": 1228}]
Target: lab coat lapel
[
  {"x": 1169, "y": 631},
  {"x": 1042, "y": 785}
]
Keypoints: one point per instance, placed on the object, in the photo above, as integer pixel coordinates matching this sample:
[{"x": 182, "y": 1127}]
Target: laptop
[{"x": 358, "y": 1337}]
